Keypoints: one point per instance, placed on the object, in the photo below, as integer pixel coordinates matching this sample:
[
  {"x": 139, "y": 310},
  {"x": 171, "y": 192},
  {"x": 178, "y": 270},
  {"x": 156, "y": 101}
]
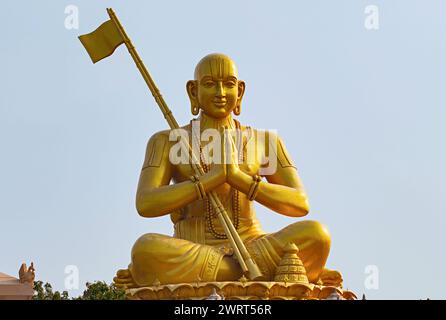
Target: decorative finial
[
  {"x": 243, "y": 279},
  {"x": 291, "y": 248},
  {"x": 291, "y": 268}
]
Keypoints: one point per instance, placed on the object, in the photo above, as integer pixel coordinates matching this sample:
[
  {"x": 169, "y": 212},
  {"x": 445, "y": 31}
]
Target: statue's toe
[
  {"x": 123, "y": 273},
  {"x": 330, "y": 277},
  {"x": 124, "y": 279}
]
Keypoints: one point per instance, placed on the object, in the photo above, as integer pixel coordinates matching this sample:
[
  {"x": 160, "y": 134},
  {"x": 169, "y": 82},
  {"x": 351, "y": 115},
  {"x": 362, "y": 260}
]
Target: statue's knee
[
  {"x": 147, "y": 244},
  {"x": 319, "y": 232},
  {"x": 311, "y": 230}
]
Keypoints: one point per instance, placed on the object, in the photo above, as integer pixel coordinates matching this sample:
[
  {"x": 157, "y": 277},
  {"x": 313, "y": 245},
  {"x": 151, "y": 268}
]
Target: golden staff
[{"x": 245, "y": 260}]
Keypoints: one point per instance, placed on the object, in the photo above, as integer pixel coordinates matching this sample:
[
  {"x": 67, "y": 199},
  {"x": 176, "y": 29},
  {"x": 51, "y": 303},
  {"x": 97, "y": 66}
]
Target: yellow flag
[{"x": 102, "y": 42}]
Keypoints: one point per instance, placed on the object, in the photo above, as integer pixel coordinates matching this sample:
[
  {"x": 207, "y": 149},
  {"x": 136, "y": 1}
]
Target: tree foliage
[
  {"x": 98, "y": 290},
  {"x": 45, "y": 292}
]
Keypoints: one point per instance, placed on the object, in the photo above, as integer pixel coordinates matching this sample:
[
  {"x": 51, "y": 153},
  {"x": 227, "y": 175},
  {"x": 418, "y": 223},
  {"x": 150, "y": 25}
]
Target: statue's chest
[
  {"x": 251, "y": 157},
  {"x": 183, "y": 172}
]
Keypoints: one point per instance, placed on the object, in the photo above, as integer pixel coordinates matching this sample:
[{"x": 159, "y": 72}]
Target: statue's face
[{"x": 216, "y": 88}]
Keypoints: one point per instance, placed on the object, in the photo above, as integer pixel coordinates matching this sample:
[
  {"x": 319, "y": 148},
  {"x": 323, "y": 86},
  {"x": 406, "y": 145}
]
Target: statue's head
[{"x": 216, "y": 89}]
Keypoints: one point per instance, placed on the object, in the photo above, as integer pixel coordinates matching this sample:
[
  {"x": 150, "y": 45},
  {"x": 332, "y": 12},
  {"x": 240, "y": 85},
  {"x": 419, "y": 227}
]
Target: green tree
[
  {"x": 45, "y": 292},
  {"x": 98, "y": 290}
]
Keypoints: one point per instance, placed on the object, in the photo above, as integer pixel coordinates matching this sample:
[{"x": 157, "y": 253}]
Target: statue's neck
[{"x": 207, "y": 122}]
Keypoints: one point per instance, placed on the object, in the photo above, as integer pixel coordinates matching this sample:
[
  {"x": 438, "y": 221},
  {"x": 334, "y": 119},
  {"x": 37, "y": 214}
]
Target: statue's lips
[{"x": 220, "y": 104}]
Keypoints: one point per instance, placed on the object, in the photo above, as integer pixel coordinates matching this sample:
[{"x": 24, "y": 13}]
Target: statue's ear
[
  {"x": 191, "y": 87},
  {"x": 192, "y": 91},
  {"x": 241, "y": 91}
]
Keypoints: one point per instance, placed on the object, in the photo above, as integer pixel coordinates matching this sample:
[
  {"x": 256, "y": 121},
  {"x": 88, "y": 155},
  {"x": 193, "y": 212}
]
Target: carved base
[{"x": 262, "y": 290}]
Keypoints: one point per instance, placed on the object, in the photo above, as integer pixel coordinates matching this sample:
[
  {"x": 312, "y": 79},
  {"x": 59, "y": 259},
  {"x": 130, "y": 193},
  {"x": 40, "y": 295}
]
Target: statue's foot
[
  {"x": 330, "y": 277},
  {"x": 124, "y": 279}
]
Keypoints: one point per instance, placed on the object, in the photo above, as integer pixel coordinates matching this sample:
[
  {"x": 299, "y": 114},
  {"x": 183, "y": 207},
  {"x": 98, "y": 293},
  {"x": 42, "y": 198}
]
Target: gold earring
[
  {"x": 194, "y": 109},
  {"x": 238, "y": 109}
]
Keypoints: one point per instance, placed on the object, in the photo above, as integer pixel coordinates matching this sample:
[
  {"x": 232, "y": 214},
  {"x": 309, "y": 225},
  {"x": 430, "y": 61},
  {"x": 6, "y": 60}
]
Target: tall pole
[{"x": 248, "y": 265}]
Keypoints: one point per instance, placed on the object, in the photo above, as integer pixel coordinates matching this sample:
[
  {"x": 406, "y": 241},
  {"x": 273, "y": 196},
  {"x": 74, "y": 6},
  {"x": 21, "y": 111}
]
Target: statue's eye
[
  {"x": 209, "y": 84},
  {"x": 230, "y": 84}
]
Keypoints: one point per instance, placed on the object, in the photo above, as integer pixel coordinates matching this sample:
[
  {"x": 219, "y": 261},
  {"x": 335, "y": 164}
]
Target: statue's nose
[{"x": 220, "y": 89}]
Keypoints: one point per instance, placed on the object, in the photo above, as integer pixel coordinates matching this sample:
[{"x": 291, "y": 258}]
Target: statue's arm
[
  {"x": 155, "y": 195},
  {"x": 282, "y": 191}
]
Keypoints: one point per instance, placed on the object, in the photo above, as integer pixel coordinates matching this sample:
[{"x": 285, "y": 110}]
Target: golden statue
[
  {"x": 217, "y": 237},
  {"x": 198, "y": 248}
]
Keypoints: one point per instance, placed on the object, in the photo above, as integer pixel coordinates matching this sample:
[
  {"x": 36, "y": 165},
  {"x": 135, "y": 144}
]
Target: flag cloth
[{"x": 103, "y": 41}]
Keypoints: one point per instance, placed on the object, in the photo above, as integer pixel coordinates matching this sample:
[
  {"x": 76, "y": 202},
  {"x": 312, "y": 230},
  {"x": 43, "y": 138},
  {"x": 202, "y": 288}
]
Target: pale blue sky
[{"x": 361, "y": 112}]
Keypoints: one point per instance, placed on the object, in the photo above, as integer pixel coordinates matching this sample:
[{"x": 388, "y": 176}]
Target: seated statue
[{"x": 199, "y": 249}]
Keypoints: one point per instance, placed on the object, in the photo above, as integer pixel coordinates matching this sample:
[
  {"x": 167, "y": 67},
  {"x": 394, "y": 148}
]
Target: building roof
[
  {"x": 12, "y": 289},
  {"x": 7, "y": 278}
]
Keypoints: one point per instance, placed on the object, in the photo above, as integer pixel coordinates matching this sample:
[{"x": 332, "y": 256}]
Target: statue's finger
[
  {"x": 123, "y": 273},
  {"x": 117, "y": 280}
]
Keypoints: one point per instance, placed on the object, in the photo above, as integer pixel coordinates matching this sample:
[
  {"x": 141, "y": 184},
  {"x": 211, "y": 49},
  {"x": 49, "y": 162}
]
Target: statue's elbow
[
  {"x": 143, "y": 207},
  {"x": 295, "y": 210},
  {"x": 302, "y": 208},
  {"x": 302, "y": 204},
  {"x": 305, "y": 210},
  {"x": 140, "y": 208},
  {"x": 305, "y": 207},
  {"x": 149, "y": 207}
]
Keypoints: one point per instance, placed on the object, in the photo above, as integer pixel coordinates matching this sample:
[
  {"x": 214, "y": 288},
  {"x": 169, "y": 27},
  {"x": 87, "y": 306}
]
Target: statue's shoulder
[
  {"x": 158, "y": 141},
  {"x": 157, "y": 149},
  {"x": 167, "y": 136},
  {"x": 166, "y": 133},
  {"x": 163, "y": 134}
]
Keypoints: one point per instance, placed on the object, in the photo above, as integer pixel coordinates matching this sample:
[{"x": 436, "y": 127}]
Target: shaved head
[
  {"x": 216, "y": 65},
  {"x": 216, "y": 91}
]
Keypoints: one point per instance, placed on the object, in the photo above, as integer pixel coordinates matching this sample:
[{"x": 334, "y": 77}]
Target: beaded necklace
[{"x": 210, "y": 211}]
